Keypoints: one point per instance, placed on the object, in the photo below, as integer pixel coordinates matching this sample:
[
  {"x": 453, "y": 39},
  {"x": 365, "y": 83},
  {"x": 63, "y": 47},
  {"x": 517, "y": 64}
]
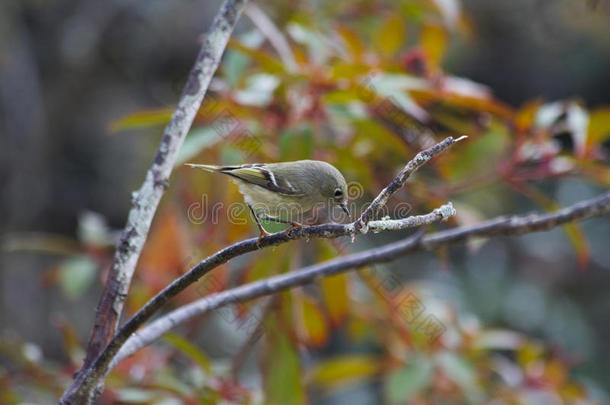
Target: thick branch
[
  {"x": 100, "y": 366},
  {"x": 514, "y": 225},
  {"x": 146, "y": 199}
]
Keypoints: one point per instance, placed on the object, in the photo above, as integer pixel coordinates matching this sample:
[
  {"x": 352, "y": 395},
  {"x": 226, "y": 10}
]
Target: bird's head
[{"x": 333, "y": 186}]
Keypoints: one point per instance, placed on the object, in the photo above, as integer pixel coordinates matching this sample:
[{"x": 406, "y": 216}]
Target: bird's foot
[
  {"x": 262, "y": 234},
  {"x": 293, "y": 225}
]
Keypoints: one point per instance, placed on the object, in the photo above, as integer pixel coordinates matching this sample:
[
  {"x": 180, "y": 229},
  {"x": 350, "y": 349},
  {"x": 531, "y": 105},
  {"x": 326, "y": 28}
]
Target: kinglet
[{"x": 285, "y": 189}]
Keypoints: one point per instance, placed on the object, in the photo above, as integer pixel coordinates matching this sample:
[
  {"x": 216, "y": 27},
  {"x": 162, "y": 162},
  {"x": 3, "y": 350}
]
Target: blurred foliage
[{"x": 363, "y": 86}]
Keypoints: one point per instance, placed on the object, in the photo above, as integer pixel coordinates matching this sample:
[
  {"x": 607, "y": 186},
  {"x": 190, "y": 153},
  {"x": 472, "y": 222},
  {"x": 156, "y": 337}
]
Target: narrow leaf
[
  {"x": 391, "y": 35},
  {"x": 344, "y": 370},
  {"x": 190, "y": 350}
]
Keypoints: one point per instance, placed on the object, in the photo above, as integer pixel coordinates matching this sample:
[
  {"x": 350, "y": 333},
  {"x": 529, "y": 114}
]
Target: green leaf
[
  {"x": 395, "y": 88},
  {"x": 296, "y": 143},
  {"x": 476, "y": 156},
  {"x": 230, "y": 155},
  {"x": 235, "y": 62},
  {"x": 402, "y": 384},
  {"x": 75, "y": 275},
  {"x": 234, "y": 65},
  {"x": 385, "y": 143},
  {"x": 391, "y": 35},
  {"x": 168, "y": 401},
  {"x": 344, "y": 370},
  {"x": 195, "y": 142},
  {"x": 190, "y": 350},
  {"x": 460, "y": 371},
  {"x": 282, "y": 374}
]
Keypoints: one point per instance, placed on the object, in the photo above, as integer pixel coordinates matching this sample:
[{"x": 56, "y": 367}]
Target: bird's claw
[
  {"x": 262, "y": 234},
  {"x": 293, "y": 225}
]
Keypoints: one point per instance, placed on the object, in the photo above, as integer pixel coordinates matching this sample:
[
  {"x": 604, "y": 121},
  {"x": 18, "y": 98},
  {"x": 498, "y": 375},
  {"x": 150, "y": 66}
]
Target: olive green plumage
[{"x": 286, "y": 189}]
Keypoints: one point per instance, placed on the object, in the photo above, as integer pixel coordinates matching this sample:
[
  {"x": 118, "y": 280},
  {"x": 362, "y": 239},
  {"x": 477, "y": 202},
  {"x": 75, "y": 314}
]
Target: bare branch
[
  {"x": 443, "y": 213},
  {"x": 419, "y": 160},
  {"x": 146, "y": 199},
  {"x": 514, "y": 225}
]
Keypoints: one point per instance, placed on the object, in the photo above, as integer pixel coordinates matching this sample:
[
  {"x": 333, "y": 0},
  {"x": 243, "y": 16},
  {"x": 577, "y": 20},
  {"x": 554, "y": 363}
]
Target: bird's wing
[{"x": 257, "y": 174}]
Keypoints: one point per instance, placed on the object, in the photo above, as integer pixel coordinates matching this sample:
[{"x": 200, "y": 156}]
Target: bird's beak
[{"x": 344, "y": 207}]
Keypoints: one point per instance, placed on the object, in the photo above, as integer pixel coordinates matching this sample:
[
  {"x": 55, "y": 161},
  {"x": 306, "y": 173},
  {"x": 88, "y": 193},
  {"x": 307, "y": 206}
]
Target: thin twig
[
  {"x": 100, "y": 366},
  {"x": 273, "y": 35},
  {"x": 514, "y": 225},
  {"x": 146, "y": 200},
  {"x": 419, "y": 160}
]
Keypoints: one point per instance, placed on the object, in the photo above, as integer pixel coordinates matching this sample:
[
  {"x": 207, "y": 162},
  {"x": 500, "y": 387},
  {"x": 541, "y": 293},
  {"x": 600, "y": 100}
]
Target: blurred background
[{"x": 85, "y": 91}]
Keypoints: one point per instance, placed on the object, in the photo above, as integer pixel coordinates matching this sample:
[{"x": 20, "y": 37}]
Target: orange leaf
[
  {"x": 163, "y": 256},
  {"x": 334, "y": 292},
  {"x": 311, "y": 323},
  {"x": 524, "y": 118}
]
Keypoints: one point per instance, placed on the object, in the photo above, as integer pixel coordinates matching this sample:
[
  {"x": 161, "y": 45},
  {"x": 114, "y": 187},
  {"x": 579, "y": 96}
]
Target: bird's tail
[
  {"x": 227, "y": 169},
  {"x": 209, "y": 168}
]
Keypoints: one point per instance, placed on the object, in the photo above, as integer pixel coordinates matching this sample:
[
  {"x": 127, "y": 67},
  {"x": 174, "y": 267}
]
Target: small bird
[{"x": 274, "y": 191}]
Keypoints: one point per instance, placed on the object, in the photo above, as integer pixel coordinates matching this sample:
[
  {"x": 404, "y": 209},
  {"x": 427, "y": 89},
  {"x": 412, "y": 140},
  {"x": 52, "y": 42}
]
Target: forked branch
[
  {"x": 146, "y": 200},
  {"x": 100, "y": 366},
  {"x": 513, "y": 225}
]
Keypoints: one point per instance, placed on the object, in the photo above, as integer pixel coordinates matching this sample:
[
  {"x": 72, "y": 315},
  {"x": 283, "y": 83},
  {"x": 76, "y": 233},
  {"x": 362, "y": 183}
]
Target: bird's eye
[{"x": 338, "y": 192}]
